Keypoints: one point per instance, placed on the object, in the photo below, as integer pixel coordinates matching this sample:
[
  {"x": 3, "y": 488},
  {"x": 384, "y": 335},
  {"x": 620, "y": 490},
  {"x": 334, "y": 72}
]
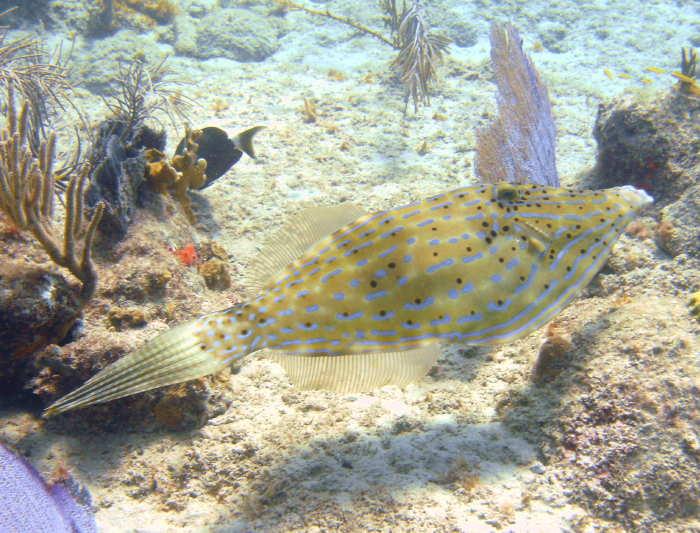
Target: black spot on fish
[{"x": 373, "y": 283}]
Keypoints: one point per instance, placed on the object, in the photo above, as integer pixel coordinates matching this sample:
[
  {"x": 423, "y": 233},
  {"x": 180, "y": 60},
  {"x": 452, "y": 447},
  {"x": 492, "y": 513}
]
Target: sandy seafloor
[{"x": 448, "y": 453}]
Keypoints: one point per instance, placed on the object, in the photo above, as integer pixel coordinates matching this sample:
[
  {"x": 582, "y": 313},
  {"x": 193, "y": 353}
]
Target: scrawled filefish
[{"x": 367, "y": 304}]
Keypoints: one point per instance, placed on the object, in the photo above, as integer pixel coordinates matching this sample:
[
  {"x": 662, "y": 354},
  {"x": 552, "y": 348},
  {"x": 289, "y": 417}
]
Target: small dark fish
[
  {"x": 220, "y": 151},
  {"x": 28, "y": 503}
]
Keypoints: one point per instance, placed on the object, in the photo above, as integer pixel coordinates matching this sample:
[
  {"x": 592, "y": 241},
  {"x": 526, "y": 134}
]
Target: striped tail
[{"x": 172, "y": 357}]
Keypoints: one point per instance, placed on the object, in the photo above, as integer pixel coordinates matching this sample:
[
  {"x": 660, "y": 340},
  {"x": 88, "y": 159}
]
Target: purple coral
[
  {"x": 28, "y": 503},
  {"x": 519, "y": 146}
]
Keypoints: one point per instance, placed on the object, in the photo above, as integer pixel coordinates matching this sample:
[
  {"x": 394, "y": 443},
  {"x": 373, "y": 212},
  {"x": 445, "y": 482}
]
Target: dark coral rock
[
  {"x": 655, "y": 145},
  {"x": 124, "y": 318},
  {"x": 37, "y": 308},
  {"x": 651, "y": 144},
  {"x": 119, "y": 166},
  {"x": 682, "y": 221}
]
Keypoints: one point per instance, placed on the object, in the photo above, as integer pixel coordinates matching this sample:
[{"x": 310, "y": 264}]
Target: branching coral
[
  {"x": 40, "y": 79},
  {"x": 182, "y": 173},
  {"x": 147, "y": 93},
  {"x": 420, "y": 50},
  {"x": 27, "y": 185}
]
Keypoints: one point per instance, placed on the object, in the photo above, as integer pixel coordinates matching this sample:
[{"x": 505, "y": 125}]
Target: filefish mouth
[{"x": 637, "y": 198}]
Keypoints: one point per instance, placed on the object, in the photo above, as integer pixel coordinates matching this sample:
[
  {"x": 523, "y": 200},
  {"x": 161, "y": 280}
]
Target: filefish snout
[{"x": 636, "y": 198}]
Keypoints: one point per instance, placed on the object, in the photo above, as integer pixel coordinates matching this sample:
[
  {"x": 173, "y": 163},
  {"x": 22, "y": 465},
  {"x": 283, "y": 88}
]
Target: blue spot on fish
[
  {"x": 374, "y": 295},
  {"x": 470, "y": 318},
  {"x": 419, "y": 306},
  {"x": 388, "y": 251},
  {"x": 328, "y": 276},
  {"x": 438, "y": 266},
  {"x": 349, "y": 316},
  {"x": 470, "y": 258},
  {"x": 441, "y": 321}
]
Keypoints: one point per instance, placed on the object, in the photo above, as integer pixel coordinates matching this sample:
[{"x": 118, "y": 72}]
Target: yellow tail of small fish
[{"x": 172, "y": 357}]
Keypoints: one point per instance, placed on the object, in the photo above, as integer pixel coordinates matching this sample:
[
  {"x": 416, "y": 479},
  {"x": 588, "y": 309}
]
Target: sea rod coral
[{"x": 27, "y": 197}]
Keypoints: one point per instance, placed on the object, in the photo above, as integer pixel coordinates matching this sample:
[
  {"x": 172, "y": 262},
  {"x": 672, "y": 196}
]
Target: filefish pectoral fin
[
  {"x": 357, "y": 372},
  {"x": 539, "y": 240}
]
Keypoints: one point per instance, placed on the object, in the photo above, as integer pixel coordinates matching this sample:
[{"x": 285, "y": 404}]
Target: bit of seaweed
[
  {"x": 688, "y": 83},
  {"x": 519, "y": 146},
  {"x": 40, "y": 78},
  {"x": 148, "y": 93},
  {"x": 183, "y": 172},
  {"x": 420, "y": 50},
  {"x": 109, "y": 15},
  {"x": 27, "y": 185},
  {"x": 144, "y": 94},
  {"x": 694, "y": 305}
]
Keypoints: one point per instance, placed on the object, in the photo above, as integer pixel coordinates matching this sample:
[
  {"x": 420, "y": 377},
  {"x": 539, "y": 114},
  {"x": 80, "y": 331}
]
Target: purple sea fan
[
  {"x": 28, "y": 503},
  {"x": 519, "y": 146}
]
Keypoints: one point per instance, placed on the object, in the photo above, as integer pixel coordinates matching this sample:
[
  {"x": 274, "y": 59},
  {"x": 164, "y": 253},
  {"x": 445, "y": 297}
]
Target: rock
[
  {"x": 123, "y": 318},
  {"x": 215, "y": 274},
  {"x": 98, "y": 64},
  {"x": 654, "y": 144},
  {"x": 553, "y": 36},
  {"x": 681, "y": 219},
  {"x": 118, "y": 171},
  {"x": 236, "y": 34},
  {"x": 37, "y": 308},
  {"x": 651, "y": 143}
]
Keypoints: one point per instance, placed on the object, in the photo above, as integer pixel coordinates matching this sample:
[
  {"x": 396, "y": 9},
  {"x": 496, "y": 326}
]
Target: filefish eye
[{"x": 505, "y": 192}]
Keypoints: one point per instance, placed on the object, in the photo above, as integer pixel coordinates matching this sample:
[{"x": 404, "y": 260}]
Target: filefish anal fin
[{"x": 357, "y": 372}]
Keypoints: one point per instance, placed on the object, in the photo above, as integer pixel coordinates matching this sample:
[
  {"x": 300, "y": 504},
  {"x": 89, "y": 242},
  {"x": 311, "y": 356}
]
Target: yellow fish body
[{"x": 369, "y": 303}]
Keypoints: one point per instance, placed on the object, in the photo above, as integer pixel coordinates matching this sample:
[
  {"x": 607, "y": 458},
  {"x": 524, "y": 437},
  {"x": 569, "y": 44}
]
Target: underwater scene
[{"x": 334, "y": 265}]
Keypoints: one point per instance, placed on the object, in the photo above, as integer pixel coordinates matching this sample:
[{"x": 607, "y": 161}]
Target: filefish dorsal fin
[
  {"x": 357, "y": 372},
  {"x": 294, "y": 238}
]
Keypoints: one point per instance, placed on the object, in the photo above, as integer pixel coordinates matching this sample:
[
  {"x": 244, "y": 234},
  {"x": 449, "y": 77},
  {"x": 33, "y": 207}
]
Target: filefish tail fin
[
  {"x": 244, "y": 140},
  {"x": 358, "y": 372},
  {"x": 172, "y": 357}
]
